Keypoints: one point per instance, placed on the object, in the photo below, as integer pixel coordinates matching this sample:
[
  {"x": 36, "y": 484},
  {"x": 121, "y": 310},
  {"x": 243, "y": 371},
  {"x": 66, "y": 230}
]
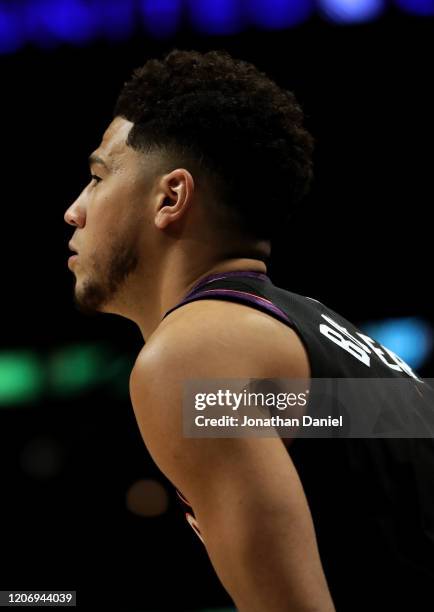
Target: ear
[{"x": 175, "y": 194}]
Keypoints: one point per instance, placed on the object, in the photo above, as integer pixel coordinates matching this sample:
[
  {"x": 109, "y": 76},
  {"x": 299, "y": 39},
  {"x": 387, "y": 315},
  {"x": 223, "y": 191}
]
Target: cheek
[
  {"x": 103, "y": 214},
  {"x": 117, "y": 210}
]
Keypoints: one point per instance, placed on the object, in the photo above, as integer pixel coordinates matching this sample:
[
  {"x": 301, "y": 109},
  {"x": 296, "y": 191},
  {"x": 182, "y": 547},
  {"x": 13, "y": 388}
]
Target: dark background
[{"x": 361, "y": 244}]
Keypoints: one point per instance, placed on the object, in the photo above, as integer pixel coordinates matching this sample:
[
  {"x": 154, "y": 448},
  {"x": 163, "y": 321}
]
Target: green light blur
[
  {"x": 69, "y": 371},
  {"x": 22, "y": 377},
  {"x": 76, "y": 368}
]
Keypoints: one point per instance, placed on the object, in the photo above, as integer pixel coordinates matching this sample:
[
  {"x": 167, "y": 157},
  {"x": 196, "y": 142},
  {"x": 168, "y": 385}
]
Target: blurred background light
[
  {"x": 275, "y": 14},
  {"x": 49, "y": 23},
  {"x": 147, "y": 497},
  {"x": 25, "y": 375},
  {"x": 22, "y": 377},
  {"x": 116, "y": 20},
  {"x": 75, "y": 368},
  {"x": 221, "y": 17},
  {"x": 424, "y": 8},
  {"x": 60, "y": 21},
  {"x": 161, "y": 18},
  {"x": 411, "y": 338},
  {"x": 351, "y": 11},
  {"x": 11, "y": 35}
]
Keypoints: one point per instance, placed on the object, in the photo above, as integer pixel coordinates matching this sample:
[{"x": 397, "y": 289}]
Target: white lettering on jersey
[
  {"x": 362, "y": 350},
  {"x": 314, "y": 300},
  {"x": 403, "y": 364},
  {"x": 378, "y": 351},
  {"x": 341, "y": 336}
]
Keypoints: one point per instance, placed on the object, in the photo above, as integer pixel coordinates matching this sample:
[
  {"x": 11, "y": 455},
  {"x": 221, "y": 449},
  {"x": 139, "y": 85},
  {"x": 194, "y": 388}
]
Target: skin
[
  {"x": 127, "y": 234},
  {"x": 144, "y": 237}
]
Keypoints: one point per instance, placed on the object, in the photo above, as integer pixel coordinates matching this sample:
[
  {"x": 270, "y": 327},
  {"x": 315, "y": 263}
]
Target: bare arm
[{"x": 245, "y": 492}]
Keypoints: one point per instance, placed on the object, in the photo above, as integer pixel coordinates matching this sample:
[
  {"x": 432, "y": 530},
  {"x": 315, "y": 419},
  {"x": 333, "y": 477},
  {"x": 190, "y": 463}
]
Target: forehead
[{"x": 113, "y": 147}]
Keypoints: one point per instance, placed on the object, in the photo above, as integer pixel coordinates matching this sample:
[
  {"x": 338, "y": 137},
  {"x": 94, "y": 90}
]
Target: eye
[{"x": 95, "y": 178}]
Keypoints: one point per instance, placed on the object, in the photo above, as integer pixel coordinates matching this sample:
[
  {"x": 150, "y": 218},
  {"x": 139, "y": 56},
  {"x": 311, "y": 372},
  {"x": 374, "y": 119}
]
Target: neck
[{"x": 159, "y": 293}]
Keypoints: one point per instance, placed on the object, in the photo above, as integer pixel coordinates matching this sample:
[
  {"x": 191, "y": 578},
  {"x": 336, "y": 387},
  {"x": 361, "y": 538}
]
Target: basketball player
[{"x": 204, "y": 158}]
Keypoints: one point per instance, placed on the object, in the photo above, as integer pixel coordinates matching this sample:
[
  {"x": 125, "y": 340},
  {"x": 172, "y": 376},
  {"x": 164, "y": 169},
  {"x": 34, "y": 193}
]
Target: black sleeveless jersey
[{"x": 371, "y": 499}]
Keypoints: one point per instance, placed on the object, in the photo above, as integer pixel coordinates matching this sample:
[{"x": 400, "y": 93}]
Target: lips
[{"x": 73, "y": 256}]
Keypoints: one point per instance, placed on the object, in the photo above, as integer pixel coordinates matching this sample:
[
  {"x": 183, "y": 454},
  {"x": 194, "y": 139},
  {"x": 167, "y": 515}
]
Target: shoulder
[
  {"x": 220, "y": 338},
  {"x": 209, "y": 341}
]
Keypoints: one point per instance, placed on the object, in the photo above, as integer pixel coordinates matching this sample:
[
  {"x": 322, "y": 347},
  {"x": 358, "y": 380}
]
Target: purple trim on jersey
[
  {"x": 244, "y": 295},
  {"x": 249, "y": 297},
  {"x": 222, "y": 275}
]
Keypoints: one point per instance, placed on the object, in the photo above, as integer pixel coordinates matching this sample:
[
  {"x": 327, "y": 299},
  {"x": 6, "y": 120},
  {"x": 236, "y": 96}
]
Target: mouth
[
  {"x": 72, "y": 247},
  {"x": 72, "y": 259},
  {"x": 74, "y": 255}
]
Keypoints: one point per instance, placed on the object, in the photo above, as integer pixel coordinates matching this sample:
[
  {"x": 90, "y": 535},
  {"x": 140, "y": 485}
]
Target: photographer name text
[{"x": 274, "y": 421}]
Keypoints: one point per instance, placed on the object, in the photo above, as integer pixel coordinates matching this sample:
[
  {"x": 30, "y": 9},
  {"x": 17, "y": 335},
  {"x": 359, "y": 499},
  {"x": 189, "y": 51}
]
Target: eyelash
[{"x": 96, "y": 178}]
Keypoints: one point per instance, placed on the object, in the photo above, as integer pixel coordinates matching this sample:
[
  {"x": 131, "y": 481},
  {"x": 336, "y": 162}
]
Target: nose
[{"x": 75, "y": 215}]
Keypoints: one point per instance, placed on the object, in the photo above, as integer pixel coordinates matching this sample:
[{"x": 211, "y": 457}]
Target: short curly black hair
[{"x": 235, "y": 122}]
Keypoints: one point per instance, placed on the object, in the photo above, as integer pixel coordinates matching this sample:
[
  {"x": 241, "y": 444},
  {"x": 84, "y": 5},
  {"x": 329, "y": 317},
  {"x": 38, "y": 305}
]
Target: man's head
[{"x": 203, "y": 150}]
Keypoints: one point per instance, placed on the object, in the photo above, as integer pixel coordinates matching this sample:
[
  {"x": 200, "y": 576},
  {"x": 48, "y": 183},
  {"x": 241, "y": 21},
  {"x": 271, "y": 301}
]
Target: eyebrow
[{"x": 95, "y": 159}]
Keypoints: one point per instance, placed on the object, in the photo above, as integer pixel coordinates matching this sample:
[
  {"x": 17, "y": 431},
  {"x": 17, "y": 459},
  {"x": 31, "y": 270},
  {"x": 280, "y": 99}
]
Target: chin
[{"x": 89, "y": 300}]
